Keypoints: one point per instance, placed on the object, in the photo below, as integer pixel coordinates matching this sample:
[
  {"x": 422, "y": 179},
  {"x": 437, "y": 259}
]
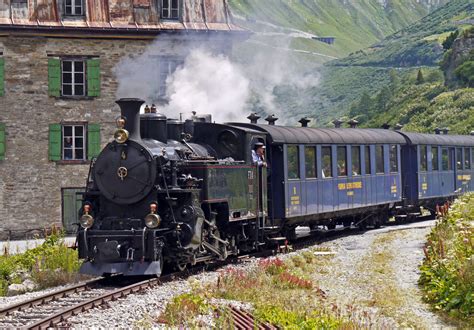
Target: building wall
[{"x": 30, "y": 184}]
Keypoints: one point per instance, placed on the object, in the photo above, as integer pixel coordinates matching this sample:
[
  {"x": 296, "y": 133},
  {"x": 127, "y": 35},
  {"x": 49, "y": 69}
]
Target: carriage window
[
  {"x": 423, "y": 159},
  {"x": 293, "y": 162},
  {"x": 341, "y": 161},
  {"x": 326, "y": 162},
  {"x": 393, "y": 159},
  {"x": 310, "y": 161},
  {"x": 434, "y": 158},
  {"x": 459, "y": 158},
  {"x": 367, "y": 160},
  {"x": 467, "y": 159},
  {"x": 356, "y": 169},
  {"x": 446, "y": 159},
  {"x": 379, "y": 160}
]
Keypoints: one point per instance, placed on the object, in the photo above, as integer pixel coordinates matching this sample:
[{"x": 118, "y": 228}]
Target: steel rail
[{"x": 49, "y": 297}]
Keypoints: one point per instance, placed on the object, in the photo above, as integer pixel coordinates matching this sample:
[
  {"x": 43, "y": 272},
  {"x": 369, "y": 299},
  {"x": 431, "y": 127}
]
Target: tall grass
[
  {"x": 447, "y": 273},
  {"x": 50, "y": 264}
]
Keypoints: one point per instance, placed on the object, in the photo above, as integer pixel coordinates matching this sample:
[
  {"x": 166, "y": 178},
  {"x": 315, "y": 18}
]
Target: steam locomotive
[{"x": 166, "y": 193}]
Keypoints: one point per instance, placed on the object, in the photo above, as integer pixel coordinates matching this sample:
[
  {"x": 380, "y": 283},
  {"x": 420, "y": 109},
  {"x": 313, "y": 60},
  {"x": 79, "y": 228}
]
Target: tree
[
  {"x": 448, "y": 42},
  {"x": 419, "y": 78},
  {"x": 394, "y": 79},
  {"x": 465, "y": 73},
  {"x": 383, "y": 98}
]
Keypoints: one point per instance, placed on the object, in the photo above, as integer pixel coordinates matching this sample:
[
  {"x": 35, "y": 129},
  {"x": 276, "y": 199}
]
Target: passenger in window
[
  {"x": 258, "y": 155},
  {"x": 68, "y": 148}
]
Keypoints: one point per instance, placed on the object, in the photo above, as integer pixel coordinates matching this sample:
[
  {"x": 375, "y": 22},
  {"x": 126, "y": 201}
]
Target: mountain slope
[{"x": 356, "y": 24}]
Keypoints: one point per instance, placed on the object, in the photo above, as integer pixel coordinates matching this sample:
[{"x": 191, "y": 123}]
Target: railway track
[{"x": 53, "y": 309}]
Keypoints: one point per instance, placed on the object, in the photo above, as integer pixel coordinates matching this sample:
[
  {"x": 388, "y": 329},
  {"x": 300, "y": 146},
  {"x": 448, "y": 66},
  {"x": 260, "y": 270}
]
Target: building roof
[
  {"x": 116, "y": 16},
  {"x": 308, "y": 135},
  {"x": 439, "y": 139}
]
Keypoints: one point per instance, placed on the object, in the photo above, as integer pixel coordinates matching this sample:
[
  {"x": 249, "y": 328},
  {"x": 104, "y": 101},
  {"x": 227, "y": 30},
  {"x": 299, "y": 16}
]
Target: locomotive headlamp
[
  {"x": 86, "y": 221},
  {"x": 152, "y": 220},
  {"x": 121, "y": 135}
]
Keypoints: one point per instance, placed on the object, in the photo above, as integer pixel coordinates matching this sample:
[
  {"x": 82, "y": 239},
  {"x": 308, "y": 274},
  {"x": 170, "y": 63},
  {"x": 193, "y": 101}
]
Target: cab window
[
  {"x": 326, "y": 162},
  {"x": 341, "y": 161},
  {"x": 310, "y": 162},
  {"x": 293, "y": 162},
  {"x": 379, "y": 160}
]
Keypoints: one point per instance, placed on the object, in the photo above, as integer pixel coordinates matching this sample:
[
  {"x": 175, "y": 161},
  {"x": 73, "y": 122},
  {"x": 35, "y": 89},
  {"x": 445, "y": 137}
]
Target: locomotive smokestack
[{"x": 130, "y": 109}]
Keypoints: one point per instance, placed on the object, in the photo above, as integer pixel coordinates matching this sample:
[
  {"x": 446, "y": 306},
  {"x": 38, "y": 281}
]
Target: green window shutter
[
  {"x": 2, "y": 141},
  {"x": 55, "y": 142},
  {"x": 2, "y": 76},
  {"x": 54, "y": 77},
  {"x": 93, "y": 77},
  {"x": 93, "y": 140}
]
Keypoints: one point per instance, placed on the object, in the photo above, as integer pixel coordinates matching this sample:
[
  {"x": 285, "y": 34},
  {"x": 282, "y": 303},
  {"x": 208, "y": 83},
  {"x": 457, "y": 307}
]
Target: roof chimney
[
  {"x": 386, "y": 126},
  {"x": 271, "y": 119},
  {"x": 304, "y": 121},
  {"x": 337, "y": 123},
  {"x": 437, "y": 130},
  {"x": 445, "y": 131},
  {"x": 253, "y": 117},
  {"x": 472, "y": 133},
  {"x": 353, "y": 123},
  {"x": 398, "y": 127}
]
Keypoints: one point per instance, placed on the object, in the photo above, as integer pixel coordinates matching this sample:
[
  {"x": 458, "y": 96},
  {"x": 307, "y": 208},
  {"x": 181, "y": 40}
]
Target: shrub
[
  {"x": 183, "y": 308},
  {"x": 447, "y": 272}
]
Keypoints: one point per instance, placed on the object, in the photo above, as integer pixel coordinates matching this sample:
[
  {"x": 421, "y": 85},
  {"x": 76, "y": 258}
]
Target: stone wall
[{"x": 30, "y": 184}]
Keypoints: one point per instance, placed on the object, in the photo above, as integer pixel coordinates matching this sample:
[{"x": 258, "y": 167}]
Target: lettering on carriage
[
  {"x": 393, "y": 189},
  {"x": 295, "y": 200},
  {"x": 465, "y": 177},
  {"x": 424, "y": 186},
  {"x": 350, "y": 185}
]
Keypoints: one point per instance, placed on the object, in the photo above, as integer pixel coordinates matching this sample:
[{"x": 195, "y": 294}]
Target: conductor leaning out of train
[{"x": 258, "y": 155}]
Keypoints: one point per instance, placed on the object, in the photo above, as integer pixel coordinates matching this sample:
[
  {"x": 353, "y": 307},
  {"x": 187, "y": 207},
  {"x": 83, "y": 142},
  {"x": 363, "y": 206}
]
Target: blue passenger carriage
[
  {"x": 436, "y": 168},
  {"x": 332, "y": 176}
]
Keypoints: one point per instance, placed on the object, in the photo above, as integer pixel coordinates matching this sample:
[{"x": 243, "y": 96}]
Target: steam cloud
[{"x": 215, "y": 84}]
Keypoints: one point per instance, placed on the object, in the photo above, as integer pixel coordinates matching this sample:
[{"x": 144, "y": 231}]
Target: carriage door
[
  {"x": 293, "y": 181},
  {"x": 71, "y": 203}
]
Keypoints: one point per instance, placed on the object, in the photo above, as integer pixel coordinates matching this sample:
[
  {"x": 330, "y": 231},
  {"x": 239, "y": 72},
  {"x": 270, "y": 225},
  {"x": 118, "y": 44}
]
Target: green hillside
[{"x": 354, "y": 24}]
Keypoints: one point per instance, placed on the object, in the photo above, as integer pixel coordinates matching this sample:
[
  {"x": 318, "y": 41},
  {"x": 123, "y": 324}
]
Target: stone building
[{"x": 57, "y": 90}]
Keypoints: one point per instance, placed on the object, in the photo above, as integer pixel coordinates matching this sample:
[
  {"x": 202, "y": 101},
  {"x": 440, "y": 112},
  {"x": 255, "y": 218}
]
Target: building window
[
  {"x": 166, "y": 67},
  {"x": 310, "y": 162},
  {"x": 326, "y": 162},
  {"x": 73, "y": 78},
  {"x": 379, "y": 160},
  {"x": 293, "y": 162},
  {"x": 73, "y": 142},
  {"x": 73, "y": 7},
  {"x": 434, "y": 158},
  {"x": 356, "y": 166},
  {"x": 170, "y": 9}
]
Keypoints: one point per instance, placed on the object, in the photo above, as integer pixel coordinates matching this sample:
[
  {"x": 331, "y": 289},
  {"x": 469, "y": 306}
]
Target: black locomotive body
[
  {"x": 169, "y": 194},
  {"x": 157, "y": 195}
]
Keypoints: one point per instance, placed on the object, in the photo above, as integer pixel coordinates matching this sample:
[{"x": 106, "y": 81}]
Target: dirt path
[{"x": 377, "y": 272}]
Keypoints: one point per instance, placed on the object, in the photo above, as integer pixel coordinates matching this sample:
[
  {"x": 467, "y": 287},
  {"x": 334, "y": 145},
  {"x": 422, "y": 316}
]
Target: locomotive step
[
  {"x": 277, "y": 239},
  {"x": 270, "y": 228}
]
